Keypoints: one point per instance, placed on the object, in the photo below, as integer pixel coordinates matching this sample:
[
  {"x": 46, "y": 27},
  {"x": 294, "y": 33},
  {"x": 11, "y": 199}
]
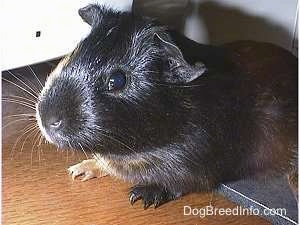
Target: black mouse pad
[{"x": 263, "y": 196}]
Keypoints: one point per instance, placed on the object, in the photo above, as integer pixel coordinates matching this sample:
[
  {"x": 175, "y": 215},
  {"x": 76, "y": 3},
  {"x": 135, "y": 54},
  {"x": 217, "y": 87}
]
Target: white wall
[
  {"x": 206, "y": 21},
  {"x": 220, "y": 21},
  {"x": 58, "y": 21}
]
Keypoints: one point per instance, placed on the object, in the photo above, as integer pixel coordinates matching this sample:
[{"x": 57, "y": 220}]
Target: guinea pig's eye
[{"x": 116, "y": 81}]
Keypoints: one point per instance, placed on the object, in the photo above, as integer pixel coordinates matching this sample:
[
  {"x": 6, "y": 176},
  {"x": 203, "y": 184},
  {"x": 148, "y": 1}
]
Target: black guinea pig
[{"x": 167, "y": 114}]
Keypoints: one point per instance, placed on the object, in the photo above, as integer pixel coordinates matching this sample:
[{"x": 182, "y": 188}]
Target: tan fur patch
[{"x": 118, "y": 168}]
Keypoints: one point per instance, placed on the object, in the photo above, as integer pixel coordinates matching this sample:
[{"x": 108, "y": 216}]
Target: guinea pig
[{"x": 171, "y": 116}]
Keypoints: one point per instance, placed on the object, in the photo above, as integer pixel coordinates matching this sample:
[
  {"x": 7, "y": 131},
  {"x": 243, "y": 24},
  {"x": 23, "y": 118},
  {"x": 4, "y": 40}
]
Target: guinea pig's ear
[
  {"x": 178, "y": 69},
  {"x": 91, "y": 14}
]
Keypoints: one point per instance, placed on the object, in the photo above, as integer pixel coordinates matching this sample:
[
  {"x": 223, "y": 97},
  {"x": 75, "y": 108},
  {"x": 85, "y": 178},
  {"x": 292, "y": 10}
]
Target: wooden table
[{"x": 38, "y": 190}]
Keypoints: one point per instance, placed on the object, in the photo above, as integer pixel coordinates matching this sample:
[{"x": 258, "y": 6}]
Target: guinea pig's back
[
  {"x": 272, "y": 75},
  {"x": 249, "y": 108}
]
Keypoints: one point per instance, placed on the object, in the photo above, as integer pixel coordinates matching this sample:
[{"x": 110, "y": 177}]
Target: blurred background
[{"x": 36, "y": 31}]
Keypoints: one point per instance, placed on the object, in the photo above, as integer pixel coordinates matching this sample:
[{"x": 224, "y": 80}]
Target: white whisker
[
  {"x": 39, "y": 146},
  {"x": 29, "y": 134},
  {"x": 26, "y": 85},
  {"x": 31, "y": 84},
  {"x": 16, "y": 97},
  {"x": 35, "y": 76},
  {"x": 26, "y": 129},
  {"x": 12, "y": 122},
  {"x": 35, "y": 140},
  {"x": 19, "y": 102},
  {"x": 28, "y": 92},
  {"x": 30, "y": 115},
  {"x": 83, "y": 151},
  {"x": 116, "y": 140}
]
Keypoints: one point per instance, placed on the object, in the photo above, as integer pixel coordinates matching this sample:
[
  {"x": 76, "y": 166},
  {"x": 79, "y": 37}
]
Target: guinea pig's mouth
[
  {"x": 42, "y": 128},
  {"x": 52, "y": 136}
]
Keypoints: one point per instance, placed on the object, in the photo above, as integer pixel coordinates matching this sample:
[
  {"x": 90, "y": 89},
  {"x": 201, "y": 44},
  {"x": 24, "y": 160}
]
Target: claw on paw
[
  {"x": 151, "y": 195},
  {"x": 88, "y": 169}
]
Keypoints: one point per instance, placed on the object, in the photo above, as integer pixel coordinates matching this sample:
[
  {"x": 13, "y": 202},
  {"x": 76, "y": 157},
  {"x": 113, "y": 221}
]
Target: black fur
[
  {"x": 151, "y": 194},
  {"x": 186, "y": 128}
]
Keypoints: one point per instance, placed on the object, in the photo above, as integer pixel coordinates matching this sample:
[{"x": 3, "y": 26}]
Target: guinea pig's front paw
[
  {"x": 151, "y": 194},
  {"x": 88, "y": 168}
]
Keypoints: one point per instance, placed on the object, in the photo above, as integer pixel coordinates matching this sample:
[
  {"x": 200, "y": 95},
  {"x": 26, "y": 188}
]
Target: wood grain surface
[{"x": 38, "y": 190}]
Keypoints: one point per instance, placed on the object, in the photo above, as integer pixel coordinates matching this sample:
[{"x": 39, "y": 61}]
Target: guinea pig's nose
[{"x": 55, "y": 124}]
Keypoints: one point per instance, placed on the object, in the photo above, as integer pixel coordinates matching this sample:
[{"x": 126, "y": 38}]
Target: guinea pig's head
[{"x": 111, "y": 94}]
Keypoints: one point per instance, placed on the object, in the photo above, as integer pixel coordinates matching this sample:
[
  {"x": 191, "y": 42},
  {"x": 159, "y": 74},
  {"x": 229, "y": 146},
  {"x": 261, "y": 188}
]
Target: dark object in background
[
  {"x": 159, "y": 10},
  {"x": 172, "y": 116},
  {"x": 271, "y": 198}
]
